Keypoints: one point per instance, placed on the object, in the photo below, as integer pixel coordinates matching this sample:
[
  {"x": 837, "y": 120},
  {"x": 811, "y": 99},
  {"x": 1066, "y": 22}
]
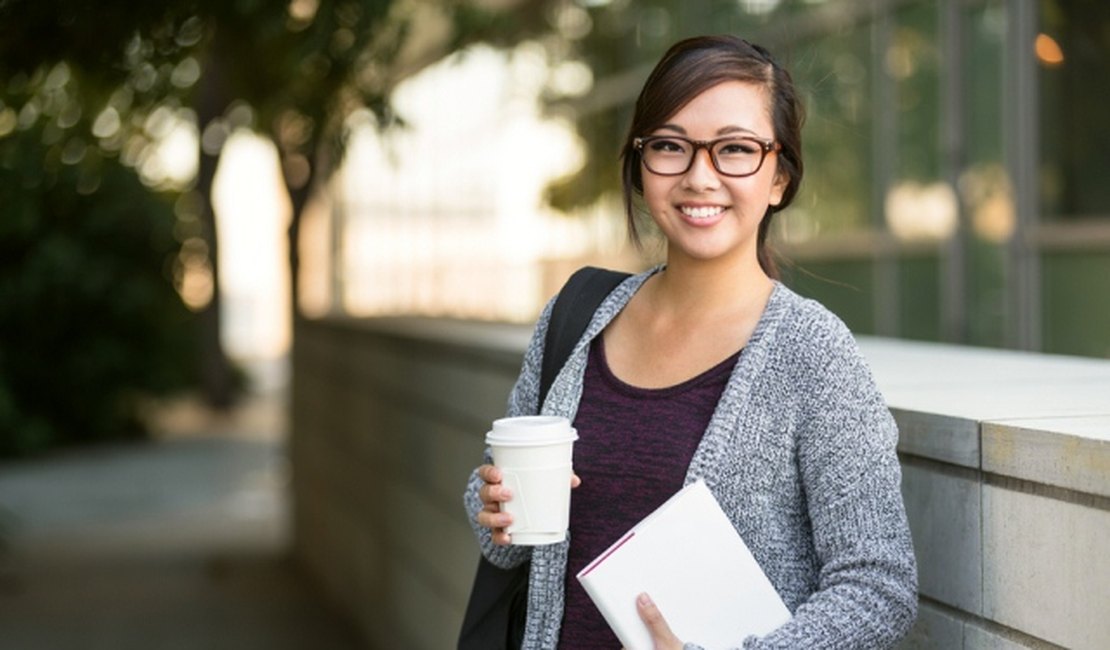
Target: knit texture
[{"x": 800, "y": 453}]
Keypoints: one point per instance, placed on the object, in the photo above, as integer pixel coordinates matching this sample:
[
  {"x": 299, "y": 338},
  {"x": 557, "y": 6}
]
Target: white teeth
[{"x": 702, "y": 213}]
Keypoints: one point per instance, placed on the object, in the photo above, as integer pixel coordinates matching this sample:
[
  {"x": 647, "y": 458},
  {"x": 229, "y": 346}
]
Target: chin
[{"x": 706, "y": 253}]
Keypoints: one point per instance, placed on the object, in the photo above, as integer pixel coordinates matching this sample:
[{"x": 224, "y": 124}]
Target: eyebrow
[{"x": 724, "y": 130}]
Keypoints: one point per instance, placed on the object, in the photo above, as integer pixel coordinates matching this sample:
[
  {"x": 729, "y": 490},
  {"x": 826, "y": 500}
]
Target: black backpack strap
[{"x": 573, "y": 310}]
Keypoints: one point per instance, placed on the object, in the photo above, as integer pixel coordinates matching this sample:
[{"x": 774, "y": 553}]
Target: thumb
[{"x": 657, "y": 626}]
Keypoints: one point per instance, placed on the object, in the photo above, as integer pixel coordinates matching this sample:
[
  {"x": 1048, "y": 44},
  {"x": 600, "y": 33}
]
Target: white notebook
[{"x": 691, "y": 561}]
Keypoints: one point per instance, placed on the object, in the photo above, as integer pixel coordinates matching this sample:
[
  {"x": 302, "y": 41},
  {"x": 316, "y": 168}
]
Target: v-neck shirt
[{"x": 633, "y": 450}]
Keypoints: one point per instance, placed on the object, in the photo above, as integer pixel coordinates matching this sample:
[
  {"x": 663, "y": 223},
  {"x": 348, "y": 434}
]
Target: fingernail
[{"x": 644, "y": 600}]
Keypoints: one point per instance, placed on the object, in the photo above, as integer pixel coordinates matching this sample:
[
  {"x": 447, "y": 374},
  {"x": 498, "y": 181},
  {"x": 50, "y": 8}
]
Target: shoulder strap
[
  {"x": 573, "y": 310},
  {"x": 496, "y": 609}
]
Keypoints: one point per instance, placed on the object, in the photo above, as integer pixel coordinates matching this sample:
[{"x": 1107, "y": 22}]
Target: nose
[{"x": 702, "y": 175}]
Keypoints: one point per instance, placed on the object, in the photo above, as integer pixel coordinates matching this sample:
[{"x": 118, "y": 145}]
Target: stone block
[
  {"x": 944, "y": 510},
  {"x": 1068, "y": 452},
  {"x": 934, "y": 629},
  {"x": 1046, "y": 569},
  {"x": 938, "y": 437},
  {"x": 432, "y": 536},
  {"x": 897, "y": 362},
  {"x": 450, "y": 457},
  {"x": 1003, "y": 400},
  {"x": 977, "y": 637},
  {"x": 479, "y": 392}
]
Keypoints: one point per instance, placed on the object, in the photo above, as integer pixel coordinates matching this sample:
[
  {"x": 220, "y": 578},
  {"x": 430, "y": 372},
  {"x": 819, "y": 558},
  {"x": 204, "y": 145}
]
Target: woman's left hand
[{"x": 661, "y": 633}]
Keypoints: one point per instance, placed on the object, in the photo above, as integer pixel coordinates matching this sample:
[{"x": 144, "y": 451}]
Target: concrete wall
[
  {"x": 1006, "y": 477},
  {"x": 387, "y": 423},
  {"x": 1006, "y": 461}
]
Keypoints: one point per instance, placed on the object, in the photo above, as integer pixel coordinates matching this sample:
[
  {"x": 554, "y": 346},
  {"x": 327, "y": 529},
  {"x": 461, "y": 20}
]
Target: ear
[{"x": 778, "y": 187}]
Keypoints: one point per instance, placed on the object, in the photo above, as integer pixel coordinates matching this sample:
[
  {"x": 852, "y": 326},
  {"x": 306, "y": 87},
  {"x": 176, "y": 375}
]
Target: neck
[{"x": 700, "y": 288}]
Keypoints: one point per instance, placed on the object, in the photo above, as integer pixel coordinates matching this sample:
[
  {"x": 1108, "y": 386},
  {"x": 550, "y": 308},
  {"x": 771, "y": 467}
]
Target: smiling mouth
[{"x": 702, "y": 212}]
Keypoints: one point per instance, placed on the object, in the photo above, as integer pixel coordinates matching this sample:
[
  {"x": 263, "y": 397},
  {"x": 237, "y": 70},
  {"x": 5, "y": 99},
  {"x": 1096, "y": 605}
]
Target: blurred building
[
  {"x": 955, "y": 188},
  {"x": 958, "y": 155}
]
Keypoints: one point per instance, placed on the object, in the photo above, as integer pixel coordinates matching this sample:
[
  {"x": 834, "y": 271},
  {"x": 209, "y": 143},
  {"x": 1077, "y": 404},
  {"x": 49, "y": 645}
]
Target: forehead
[{"x": 728, "y": 104}]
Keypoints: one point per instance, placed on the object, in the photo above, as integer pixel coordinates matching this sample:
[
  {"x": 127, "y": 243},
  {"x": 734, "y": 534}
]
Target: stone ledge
[
  {"x": 503, "y": 342},
  {"x": 1005, "y": 470},
  {"x": 1037, "y": 417}
]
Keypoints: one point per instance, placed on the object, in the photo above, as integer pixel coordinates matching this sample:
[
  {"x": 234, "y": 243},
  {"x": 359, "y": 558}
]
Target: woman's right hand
[{"x": 493, "y": 494}]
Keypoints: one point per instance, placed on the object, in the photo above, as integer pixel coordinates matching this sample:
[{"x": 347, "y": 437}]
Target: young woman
[{"x": 707, "y": 367}]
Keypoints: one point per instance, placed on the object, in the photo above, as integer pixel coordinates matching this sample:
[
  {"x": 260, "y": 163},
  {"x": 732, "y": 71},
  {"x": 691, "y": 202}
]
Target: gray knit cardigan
[{"x": 800, "y": 453}]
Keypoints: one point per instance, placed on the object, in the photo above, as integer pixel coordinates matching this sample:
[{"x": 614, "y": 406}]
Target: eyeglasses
[{"x": 673, "y": 155}]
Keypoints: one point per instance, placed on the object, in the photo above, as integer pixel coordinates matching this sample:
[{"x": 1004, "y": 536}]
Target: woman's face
[{"x": 706, "y": 215}]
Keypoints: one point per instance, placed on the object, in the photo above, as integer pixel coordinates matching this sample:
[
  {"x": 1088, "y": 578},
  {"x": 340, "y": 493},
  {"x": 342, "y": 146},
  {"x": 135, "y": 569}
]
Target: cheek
[{"x": 655, "y": 192}]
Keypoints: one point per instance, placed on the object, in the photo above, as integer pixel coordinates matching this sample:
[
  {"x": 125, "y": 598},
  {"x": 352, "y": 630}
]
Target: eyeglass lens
[{"x": 732, "y": 156}]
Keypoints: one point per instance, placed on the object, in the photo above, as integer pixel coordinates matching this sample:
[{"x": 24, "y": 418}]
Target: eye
[
  {"x": 738, "y": 148},
  {"x": 667, "y": 146}
]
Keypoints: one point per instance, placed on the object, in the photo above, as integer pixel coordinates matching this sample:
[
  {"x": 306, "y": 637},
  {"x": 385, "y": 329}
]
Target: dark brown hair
[{"x": 693, "y": 66}]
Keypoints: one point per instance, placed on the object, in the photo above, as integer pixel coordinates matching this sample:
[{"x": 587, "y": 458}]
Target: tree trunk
[
  {"x": 299, "y": 194},
  {"x": 217, "y": 383},
  {"x": 298, "y": 198}
]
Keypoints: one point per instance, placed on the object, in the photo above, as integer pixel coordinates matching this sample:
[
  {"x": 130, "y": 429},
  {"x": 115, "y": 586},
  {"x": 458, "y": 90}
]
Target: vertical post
[
  {"x": 953, "y": 267},
  {"x": 1022, "y": 154},
  {"x": 336, "y": 270},
  {"x": 884, "y": 158}
]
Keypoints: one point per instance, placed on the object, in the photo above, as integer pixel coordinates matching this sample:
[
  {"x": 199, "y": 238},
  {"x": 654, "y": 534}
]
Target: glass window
[
  {"x": 845, "y": 286},
  {"x": 1073, "y": 54},
  {"x": 985, "y": 188},
  {"x": 912, "y": 61},
  {"x": 1068, "y": 278},
  {"x": 918, "y": 203},
  {"x": 834, "y": 76},
  {"x": 919, "y": 296}
]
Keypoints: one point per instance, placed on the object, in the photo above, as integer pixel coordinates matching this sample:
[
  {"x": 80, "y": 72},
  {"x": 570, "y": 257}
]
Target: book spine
[
  {"x": 628, "y": 638},
  {"x": 601, "y": 558}
]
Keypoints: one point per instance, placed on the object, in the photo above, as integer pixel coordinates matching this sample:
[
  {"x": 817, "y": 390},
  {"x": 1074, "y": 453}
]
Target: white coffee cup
[{"x": 534, "y": 453}]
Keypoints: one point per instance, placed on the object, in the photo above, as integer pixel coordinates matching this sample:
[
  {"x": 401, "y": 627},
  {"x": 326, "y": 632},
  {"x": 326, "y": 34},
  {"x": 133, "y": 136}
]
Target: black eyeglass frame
[{"x": 765, "y": 147}]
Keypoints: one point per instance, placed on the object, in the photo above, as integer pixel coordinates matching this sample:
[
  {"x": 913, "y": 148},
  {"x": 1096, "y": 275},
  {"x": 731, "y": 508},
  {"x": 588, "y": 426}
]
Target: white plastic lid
[{"x": 529, "y": 430}]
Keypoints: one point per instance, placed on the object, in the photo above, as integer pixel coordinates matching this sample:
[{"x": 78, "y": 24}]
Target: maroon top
[{"x": 634, "y": 447}]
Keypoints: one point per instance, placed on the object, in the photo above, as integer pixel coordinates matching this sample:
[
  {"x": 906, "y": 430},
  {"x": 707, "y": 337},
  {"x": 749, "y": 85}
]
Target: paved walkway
[{"x": 177, "y": 543}]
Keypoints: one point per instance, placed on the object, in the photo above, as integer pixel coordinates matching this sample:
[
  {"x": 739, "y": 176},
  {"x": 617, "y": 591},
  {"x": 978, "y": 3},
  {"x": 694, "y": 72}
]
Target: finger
[
  {"x": 494, "y": 519},
  {"x": 575, "y": 480},
  {"x": 489, "y": 473},
  {"x": 497, "y": 522},
  {"x": 491, "y": 494},
  {"x": 657, "y": 626}
]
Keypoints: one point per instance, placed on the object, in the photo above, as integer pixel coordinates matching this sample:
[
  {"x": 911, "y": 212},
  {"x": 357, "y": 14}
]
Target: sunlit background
[
  {"x": 912, "y": 152},
  {"x": 444, "y": 216},
  {"x": 955, "y": 161}
]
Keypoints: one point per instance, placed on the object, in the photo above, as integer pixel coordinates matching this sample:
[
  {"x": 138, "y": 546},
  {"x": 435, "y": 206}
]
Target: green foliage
[
  {"x": 600, "y": 174},
  {"x": 91, "y": 320},
  {"x": 87, "y": 91}
]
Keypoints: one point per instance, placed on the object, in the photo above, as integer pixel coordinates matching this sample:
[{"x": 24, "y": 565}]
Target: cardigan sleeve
[
  {"x": 848, "y": 464},
  {"x": 522, "y": 401}
]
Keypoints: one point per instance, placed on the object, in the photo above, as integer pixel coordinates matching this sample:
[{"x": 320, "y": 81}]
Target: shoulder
[
  {"x": 817, "y": 359},
  {"x": 810, "y": 352},
  {"x": 808, "y": 333}
]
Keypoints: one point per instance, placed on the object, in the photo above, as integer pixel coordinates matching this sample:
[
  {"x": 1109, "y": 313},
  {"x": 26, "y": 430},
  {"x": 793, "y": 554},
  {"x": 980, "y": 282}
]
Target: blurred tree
[
  {"x": 90, "y": 321},
  {"x": 291, "y": 70}
]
